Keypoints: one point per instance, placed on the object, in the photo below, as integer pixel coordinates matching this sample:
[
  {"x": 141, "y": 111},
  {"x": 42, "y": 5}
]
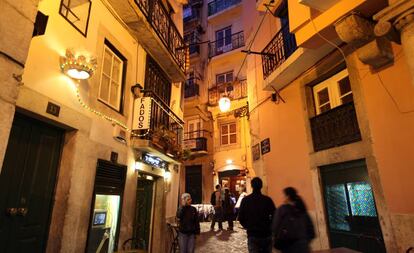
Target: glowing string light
[{"x": 106, "y": 117}]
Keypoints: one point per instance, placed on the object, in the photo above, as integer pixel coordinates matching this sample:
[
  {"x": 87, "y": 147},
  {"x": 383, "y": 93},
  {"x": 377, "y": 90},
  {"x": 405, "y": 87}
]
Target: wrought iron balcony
[
  {"x": 196, "y": 141},
  {"x": 278, "y": 50},
  {"x": 220, "y": 5},
  {"x": 166, "y": 128},
  {"x": 336, "y": 127},
  {"x": 192, "y": 39},
  {"x": 191, "y": 88},
  {"x": 233, "y": 90},
  {"x": 160, "y": 20},
  {"x": 226, "y": 44}
]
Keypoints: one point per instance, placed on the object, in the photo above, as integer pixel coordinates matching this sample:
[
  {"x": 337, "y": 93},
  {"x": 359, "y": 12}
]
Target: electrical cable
[{"x": 397, "y": 58}]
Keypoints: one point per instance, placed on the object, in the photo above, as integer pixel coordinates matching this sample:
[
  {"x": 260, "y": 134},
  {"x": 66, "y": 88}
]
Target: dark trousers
[
  {"x": 259, "y": 245},
  {"x": 218, "y": 217}
]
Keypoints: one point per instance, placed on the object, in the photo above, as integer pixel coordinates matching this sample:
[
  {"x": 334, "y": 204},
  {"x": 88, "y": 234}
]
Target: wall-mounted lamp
[
  {"x": 77, "y": 67},
  {"x": 136, "y": 89},
  {"x": 138, "y": 166},
  {"x": 224, "y": 104},
  {"x": 167, "y": 175},
  {"x": 229, "y": 161}
]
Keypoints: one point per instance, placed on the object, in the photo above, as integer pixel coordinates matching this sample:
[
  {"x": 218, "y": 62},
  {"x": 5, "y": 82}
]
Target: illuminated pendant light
[
  {"x": 78, "y": 67},
  {"x": 224, "y": 104}
]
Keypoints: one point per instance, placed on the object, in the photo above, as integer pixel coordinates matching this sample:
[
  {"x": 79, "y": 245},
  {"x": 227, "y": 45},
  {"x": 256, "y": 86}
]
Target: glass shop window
[
  {"x": 76, "y": 13},
  {"x": 333, "y": 92}
]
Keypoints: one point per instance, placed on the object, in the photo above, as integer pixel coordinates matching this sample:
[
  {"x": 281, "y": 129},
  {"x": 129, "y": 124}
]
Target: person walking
[
  {"x": 255, "y": 215},
  {"x": 216, "y": 201},
  {"x": 239, "y": 200},
  {"x": 188, "y": 224},
  {"x": 292, "y": 227},
  {"x": 228, "y": 209}
]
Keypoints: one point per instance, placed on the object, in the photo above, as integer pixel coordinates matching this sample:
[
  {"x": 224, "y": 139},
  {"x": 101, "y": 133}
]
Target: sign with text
[
  {"x": 154, "y": 161},
  {"x": 142, "y": 113},
  {"x": 265, "y": 146}
]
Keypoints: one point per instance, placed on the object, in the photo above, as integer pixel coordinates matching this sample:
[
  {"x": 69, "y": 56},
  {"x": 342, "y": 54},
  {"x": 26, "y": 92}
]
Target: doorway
[
  {"x": 27, "y": 184},
  {"x": 106, "y": 207},
  {"x": 350, "y": 208},
  {"x": 193, "y": 183},
  {"x": 144, "y": 212},
  {"x": 234, "y": 180}
]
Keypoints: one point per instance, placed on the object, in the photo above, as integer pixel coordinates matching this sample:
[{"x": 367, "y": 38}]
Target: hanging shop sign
[
  {"x": 265, "y": 146},
  {"x": 154, "y": 161},
  {"x": 142, "y": 113}
]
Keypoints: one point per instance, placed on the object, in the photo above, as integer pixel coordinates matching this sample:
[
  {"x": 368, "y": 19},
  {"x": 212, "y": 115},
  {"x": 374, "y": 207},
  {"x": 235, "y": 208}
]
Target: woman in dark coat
[{"x": 292, "y": 226}]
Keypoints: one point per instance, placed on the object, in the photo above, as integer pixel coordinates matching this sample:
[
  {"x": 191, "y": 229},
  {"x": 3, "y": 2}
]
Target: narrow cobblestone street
[{"x": 221, "y": 241}]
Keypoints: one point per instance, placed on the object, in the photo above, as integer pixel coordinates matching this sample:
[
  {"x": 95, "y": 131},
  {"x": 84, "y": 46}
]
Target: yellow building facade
[
  {"x": 340, "y": 75},
  {"x": 91, "y": 173}
]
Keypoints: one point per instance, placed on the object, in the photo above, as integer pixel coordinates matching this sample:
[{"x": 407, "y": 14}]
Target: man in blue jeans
[
  {"x": 188, "y": 224},
  {"x": 256, "y": 215}
]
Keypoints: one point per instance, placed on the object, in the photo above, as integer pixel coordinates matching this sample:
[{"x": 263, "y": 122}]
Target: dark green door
[
  {"x": 350, "y": 207},
  {"x": 193, "y": 182},
  {"x": 27, "y": 182},
  {"x": 145, "y": 190}
]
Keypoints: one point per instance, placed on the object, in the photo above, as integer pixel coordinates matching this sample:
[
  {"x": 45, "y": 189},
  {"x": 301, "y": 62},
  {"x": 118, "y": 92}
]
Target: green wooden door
[
  {"x": 193, "y": 183},
  {"x": 145, "y": 194},
  {"x": 27, "y": 182}
]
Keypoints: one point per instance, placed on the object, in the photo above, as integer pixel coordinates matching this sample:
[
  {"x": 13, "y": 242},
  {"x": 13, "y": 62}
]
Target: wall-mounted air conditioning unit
[{"x": 321, "y": 5}]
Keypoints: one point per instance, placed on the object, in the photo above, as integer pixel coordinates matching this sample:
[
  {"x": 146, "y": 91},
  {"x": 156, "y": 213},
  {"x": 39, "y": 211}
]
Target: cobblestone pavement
[{"x": 221, "y": 241}]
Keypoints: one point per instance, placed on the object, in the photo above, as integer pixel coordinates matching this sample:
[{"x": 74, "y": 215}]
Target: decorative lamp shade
[
  {"x": 224, "y": 104},
  {"x": 78, "y": 67}
]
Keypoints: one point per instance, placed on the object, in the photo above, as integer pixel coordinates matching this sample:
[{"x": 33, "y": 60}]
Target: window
[
  {"x": 332, "y": 92},
  {"x": 193, "y": 128},
  {"x": 228, "y": 134},
  {"x": 113, "y": 68},
  {"x": 224, "y": 78},
  {"x": 76, "y": 13},
  {"x": 223, "y": 40}
]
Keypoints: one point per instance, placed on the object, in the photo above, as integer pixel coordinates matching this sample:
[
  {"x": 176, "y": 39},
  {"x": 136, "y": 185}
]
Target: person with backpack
[
  {"x": 216, "y": 201},
  {"x": 292, "y": 227},
  {"x": 255, "y": 215}
]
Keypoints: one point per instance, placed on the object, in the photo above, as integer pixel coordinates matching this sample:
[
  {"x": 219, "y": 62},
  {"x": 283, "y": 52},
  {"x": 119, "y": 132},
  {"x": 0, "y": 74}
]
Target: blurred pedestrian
[
  {"x": 239, "y": 200},
  {"x": 255, "y": 215},
  {"x": 292, "y": 227},
  {"x": 188, "y": 224},
  {"x": 228, "y": 209},
  {"x": 216, "y": 201}
]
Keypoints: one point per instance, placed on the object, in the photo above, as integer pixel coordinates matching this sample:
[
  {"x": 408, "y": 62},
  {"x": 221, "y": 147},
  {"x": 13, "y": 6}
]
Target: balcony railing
[
  {"x": 278, "y": 50},
  {"x": 164, "y": 123},
  {"x": 192, "y": 39},
  {"x": 196, "y": 140},
  {"x": 226, "y": 44},
  {"x": 220, "y": 5},
  {"x": 160, "y": 20},
  {"x": 233, "y": 90},
  {"x": 191, "y": 88},
  {"x": 335, "y": 127}
]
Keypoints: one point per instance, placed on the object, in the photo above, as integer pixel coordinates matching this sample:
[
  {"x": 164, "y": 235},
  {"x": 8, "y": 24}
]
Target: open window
[{"x": 77, "y": 13}]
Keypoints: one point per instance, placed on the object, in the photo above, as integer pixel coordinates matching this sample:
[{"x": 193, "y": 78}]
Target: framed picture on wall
[{"x": 256, "y": 152}]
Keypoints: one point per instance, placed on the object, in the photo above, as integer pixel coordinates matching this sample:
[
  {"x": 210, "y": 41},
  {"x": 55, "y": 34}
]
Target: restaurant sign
[
  {"x": 154, "y": 161},
  {"x": 142, "y": 113}
]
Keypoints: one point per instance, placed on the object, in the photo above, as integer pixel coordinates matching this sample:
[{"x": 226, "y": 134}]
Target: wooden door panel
[{"x": 29, "y": 173}]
